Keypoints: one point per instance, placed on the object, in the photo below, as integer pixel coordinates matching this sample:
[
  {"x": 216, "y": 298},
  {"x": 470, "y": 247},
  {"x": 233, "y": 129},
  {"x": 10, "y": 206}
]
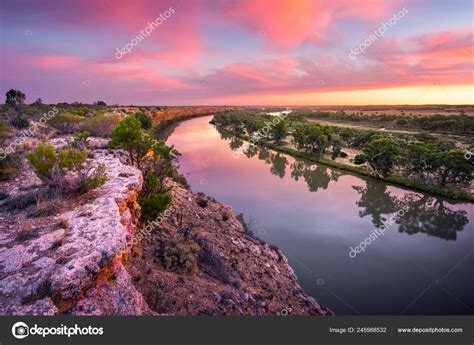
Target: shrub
[
  {"x": 144, "y": 120},
  {"x": 202, "y": 202},
  {"x": 101, "y": 125},
  {"x": 46, "y": 208},
  {"x": 360, "y": 159},
  {"x": 129, "y": 136},
  {"x": 21, "y": 201},
  {"x": 66, "y": 122},
  {"x": 401, "y": 122},
  {"x": 43, "y": 160},
  {"x": 20, "y": 122},
  {"x": 92, "y": 178},
  {"x": 3, "y": 133},
  {"x": 8, "y": 167},
  {"x": 179, "y": 256},
  {"x": 8, "y": 163},
  {"x": 342, "y": 154},
  {"x": 154, "y": 203},
  {"x": 226, "y": 215},
  {"x": 52, "y": 167},
  {"x": 240, "y": 217},
  {"x": 25, "y": 233},
  {"x": 80, "y": 140}
]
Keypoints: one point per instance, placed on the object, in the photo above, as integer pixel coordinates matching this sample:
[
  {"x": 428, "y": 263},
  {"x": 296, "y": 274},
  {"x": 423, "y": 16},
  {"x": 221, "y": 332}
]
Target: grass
[{"x": 393, "y": 179}]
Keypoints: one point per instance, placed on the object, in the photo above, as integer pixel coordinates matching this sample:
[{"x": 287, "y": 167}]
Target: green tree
[
  {"x": 451, "y": 167},
  {"x": 129, "y": 136},
  {"x": 279, "y": 131},
  {"x": 381, "y": 154},
  {"x": 317, "y": 138},
  {"x": 144, "y": 120},
  {"x": 299, "y": 135},
  {"x": 15, "y": 99},
  {"x": 417, "y": 161}
]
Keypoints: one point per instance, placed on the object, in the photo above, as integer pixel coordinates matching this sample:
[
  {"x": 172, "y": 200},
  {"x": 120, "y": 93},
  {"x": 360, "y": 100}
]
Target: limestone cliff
[{"x": 75, "y": 260}]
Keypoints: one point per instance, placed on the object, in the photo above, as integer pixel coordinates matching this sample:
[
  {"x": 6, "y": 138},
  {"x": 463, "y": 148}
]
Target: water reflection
[
  {"x": 314, "y": 213},
  {"x": 431, "y": 216},
  {"x": 426, "y": 214},
  {"x": 376, "y": 201}
]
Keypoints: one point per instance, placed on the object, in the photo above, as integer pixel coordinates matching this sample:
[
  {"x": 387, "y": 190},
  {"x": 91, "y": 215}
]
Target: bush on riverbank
[{"x": 440, "y": 170}]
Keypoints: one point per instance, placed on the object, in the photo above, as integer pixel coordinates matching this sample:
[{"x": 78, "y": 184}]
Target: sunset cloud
[{"x": 279, "y": 48}]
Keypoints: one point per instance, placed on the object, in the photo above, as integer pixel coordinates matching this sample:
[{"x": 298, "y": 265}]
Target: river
[{"x": 420, "y": 262}]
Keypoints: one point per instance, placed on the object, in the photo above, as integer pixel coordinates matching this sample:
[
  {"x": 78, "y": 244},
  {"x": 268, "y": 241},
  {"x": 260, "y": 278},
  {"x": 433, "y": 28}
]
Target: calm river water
[{"x": 422, "y": 263}]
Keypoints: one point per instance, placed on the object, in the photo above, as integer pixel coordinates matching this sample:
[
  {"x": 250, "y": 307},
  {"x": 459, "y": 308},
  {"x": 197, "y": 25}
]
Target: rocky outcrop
[
  {"x": 235, "y": 273},
  {"x": 196, "y": 260},
  {"x": 74, "y": 268}
]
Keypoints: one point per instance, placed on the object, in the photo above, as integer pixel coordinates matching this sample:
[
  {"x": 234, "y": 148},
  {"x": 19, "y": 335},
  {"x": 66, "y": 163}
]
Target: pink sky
[{"x": 239, "y": 52}]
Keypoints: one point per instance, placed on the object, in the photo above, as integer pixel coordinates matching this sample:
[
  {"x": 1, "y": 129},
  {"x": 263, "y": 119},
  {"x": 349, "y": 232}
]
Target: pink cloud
[{"x": 289, "y": 23}]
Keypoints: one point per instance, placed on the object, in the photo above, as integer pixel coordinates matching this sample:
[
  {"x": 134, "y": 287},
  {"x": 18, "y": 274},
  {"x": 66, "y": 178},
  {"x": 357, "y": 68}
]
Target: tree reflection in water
[
  {"x": 432, "y": 216},
  {"x": 426, "y": 214}
]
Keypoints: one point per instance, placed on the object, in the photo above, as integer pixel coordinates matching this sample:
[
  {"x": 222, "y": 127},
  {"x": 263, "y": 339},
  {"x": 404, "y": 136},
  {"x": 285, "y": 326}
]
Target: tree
[
  {"x": 15, "y": 99},
  {"x": 317, "y": 138},
  {"x": 279, "y": 164},
  {"x": 381, "y": 154},
  {"x": 336, "y": 144},
  {"x": 451, "y": 167},
  {"x": 431, "y": 216},
  {"x": 253, "y": 124},
  {"x": 129, "y": 136},
  {"x": 417, "y": 161},
  {"x": 144, "y": 120},
  {"x": 376, "y": 201},
  {"x": 299, "y": 136},
  {"x": 279, "y": 131}
]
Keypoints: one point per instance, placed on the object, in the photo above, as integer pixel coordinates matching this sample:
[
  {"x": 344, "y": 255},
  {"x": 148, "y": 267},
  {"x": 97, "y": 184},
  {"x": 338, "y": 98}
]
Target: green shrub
[
  {"x": 8, "y": 167},
  {"x": 66, "y": 123},
  {"x": 360, "y": 159},
  {"x": 20, "y": 122},
  {"x": 101, "y": 125},
  {"x": 154, "y": 203},
  {"x": 80, "y": 140},
  {"x": 179, "y": 256},
  {"x": 342, "y": 154},
  {"x": 92, "y": 179},
  {"x": 52, "y": 168},
  {"x": 144, "y": 120},
  {"x": 8, "y": 163},
  {"x": 129, "y": 136},
  {"x": 43, "y": 160},
  {"x": 3, "y": 133}
]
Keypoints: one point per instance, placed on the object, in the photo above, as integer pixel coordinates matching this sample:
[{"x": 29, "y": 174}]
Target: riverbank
[
  {"x": 393, "y": 179},
  {"x": 91, "y": 255},
  {"x": 204, "y": 263}
]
